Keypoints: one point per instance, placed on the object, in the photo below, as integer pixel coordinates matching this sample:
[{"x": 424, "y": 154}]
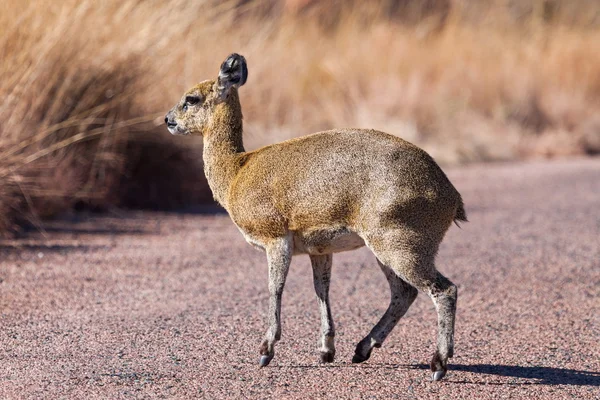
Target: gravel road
[{"x": 155, "y": 305}]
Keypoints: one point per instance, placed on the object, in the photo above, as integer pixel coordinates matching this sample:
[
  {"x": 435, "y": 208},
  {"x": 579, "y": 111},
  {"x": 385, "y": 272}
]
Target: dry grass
[{"x": 84, "y": 86}]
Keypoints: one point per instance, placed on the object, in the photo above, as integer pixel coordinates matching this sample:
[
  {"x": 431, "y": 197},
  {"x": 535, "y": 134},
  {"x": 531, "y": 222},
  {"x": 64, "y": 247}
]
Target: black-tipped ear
[{"x": 233, "y": 73}]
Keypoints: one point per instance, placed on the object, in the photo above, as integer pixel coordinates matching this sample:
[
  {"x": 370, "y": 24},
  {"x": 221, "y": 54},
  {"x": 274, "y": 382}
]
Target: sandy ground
[{"x": 151, "y": 305}]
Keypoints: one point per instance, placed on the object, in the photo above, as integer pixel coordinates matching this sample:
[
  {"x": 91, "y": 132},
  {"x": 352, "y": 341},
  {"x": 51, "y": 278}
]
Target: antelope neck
[{"x": 223, "y": 146}]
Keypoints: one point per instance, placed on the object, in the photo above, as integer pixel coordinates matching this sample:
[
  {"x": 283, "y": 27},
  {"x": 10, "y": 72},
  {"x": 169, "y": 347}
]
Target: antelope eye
[{"x": 192, "y": 100}]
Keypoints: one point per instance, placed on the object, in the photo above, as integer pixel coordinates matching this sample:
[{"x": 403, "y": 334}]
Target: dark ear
[{"x": 233, "y": 73}]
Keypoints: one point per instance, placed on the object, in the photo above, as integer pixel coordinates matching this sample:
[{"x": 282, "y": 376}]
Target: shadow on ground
[
  {"x": 45, "y": 237},
  {"x": 542, "y": 375},
  {"x": 203, "y": 209},
  {"x": 49, "y": 247}
]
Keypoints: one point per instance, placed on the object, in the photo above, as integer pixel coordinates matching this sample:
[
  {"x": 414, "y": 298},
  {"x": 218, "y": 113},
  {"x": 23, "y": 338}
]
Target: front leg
[
  {"x": 321, "y": 265},
  {"x": 279, "y": 255}
]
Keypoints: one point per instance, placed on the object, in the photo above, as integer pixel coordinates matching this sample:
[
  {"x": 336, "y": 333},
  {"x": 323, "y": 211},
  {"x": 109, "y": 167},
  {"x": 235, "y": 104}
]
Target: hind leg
[
  {"x": 402, "y": 296},
  {"x": 414, "y": 263},
  {"x": 444, "y": 294}
]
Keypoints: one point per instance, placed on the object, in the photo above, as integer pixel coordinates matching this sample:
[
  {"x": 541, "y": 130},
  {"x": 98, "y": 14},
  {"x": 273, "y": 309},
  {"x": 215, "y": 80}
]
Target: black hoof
[
  {"x": 327, "y": 357},
  {"x": 438, "y": 368},
  {"x": 358, "y": 358},
  {"x": 438, "y": 375},
  {"x": 265, "y": 360}
]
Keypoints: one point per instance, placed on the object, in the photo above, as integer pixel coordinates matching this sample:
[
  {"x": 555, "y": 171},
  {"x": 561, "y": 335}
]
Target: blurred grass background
[{"x": 84, "y": 86}]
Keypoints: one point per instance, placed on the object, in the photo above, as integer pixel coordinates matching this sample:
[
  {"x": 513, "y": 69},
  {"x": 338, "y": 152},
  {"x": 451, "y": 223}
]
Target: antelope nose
[{"x": 170, "y": 123}]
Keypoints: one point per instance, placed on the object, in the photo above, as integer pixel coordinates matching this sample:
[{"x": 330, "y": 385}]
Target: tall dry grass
[{"x": 84, "y": 86}]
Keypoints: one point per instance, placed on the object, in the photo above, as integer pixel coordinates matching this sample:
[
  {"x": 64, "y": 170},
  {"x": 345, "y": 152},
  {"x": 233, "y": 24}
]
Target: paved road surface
[{"x": 139, "y": 305}]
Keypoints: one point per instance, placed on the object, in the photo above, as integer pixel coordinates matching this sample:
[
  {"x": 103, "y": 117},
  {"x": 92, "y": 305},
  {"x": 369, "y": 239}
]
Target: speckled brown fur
[{"x": 324, "y": 193}]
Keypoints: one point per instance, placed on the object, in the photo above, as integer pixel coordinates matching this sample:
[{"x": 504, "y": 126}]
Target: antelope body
[{"x": 324, "y": 193}]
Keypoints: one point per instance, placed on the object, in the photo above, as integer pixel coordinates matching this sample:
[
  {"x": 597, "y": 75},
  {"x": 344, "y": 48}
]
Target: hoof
[
  {"x": 437, "y": 375},
  {"x": 358, "y": 358},
  {"x": 265, "y": 360},
  {"x": 327, "y": 357},
  {"x": 438, "y": 367}
]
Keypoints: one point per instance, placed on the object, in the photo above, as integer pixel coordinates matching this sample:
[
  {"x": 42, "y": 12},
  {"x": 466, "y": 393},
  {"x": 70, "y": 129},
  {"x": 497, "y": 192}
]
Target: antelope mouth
[{"x": 176, "y": 131}]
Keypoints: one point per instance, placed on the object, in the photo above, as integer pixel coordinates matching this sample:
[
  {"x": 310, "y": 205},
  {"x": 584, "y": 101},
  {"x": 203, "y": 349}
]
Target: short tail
[{"x": 461, "y": 214}]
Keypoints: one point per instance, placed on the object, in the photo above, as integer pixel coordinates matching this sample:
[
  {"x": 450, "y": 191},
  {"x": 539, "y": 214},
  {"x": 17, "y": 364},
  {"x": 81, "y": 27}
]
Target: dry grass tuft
[{"x": 84, "y": 85}]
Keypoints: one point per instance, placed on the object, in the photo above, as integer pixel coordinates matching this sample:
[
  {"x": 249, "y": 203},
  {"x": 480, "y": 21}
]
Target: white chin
[{"x": 174, "y": 131}]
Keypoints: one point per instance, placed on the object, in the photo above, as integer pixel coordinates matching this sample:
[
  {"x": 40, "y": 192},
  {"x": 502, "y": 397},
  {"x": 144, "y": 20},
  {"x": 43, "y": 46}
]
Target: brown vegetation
[{"x": 85, "y": 84}]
